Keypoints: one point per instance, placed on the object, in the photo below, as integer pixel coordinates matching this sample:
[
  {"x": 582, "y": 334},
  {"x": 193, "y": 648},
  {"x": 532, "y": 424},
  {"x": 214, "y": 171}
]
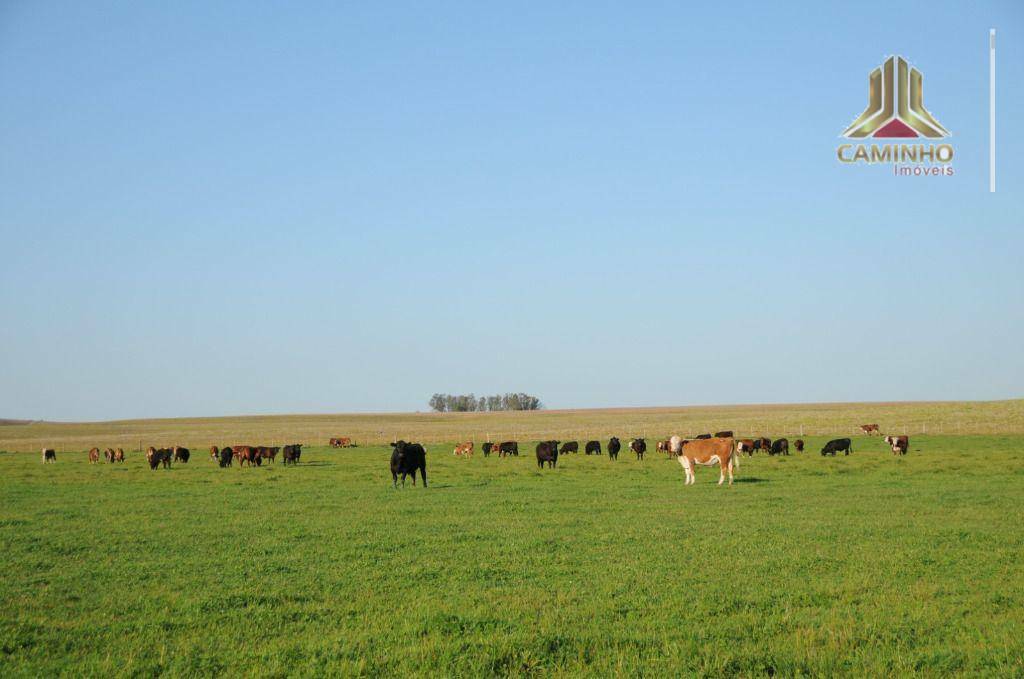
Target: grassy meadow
[{"x": 864, "y": 565}]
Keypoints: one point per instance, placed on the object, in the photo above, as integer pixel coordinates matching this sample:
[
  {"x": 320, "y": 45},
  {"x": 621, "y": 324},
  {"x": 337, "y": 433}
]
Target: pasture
[{"x": 861, "y": 565}]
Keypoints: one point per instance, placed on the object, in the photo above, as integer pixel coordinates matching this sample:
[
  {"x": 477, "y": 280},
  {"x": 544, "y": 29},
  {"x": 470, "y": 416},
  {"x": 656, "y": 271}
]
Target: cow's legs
[
  {"x": 423, "y": 473},
  {"x": 394, "y": 477}
]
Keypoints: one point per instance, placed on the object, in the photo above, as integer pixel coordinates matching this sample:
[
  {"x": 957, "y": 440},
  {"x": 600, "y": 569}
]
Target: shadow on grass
[{"x": 749, "y": 479}]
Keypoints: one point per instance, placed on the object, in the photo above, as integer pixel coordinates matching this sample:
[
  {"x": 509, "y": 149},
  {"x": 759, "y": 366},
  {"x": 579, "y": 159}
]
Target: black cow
[
  {"x": 762, "y": 444},
  {"x": 181, "y": 454},
  {"x": 547, "y": 451},
  {"x": 779, "y": 447},
  {"x": 406, "y": 458},
  {"x": 593, "y": 448},
  {"x": 291, "y": 453},
  {"x": 569, "y": 447},
  {"x": 799, "y": 445},
  {"x": 613, "y": 448},
  {"x": 225, "y": 456},
  {"x": 508, "y": 448},
  {"x": 703, "y": 436},
  {"x": 487, "y": 448},
  {"x": 836, "y": 445},
  {"x": 638, "y": 446},
  {"x": 160, "y": 456},
  {"x": 723, "y": 434}
]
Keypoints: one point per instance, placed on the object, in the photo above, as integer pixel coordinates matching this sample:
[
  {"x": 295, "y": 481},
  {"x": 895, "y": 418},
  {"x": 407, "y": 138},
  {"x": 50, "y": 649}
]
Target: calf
[
  {"x": 94, "y": 455},
  {"x": 406, "y": 458},
  {"x": 745, "y": 446},
  {"x": 465, "y": 449},
  {"x": 49, "y": 455},
  {"x": 638, "y": 446},
  {"x": 799, "y": 445},
  {"x": 593, "y": 448},
  {"x": 706, "y": 452},
  {"x": 779, "y": 447},
  {"x": 569, "y": 447},
  {"x": 837, "y": 445},
  {"x": 899, "y": 444},
  {"x": 547, "y": 451},
  {"x": 664, "y": 447},
  {"x": 613, "y": 448},
  {"x": 723, "y": 434},
  {"x": 869, "y": 428}
]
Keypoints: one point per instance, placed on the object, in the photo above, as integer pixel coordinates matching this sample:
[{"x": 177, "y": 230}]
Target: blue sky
[{"x": 232, "y": 208}]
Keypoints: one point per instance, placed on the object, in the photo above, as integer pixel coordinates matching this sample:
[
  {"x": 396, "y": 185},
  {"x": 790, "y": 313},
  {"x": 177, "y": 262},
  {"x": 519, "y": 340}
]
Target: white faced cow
[
  {"x": 899, "y": 444},
  {"x": 707, "y": 452}
]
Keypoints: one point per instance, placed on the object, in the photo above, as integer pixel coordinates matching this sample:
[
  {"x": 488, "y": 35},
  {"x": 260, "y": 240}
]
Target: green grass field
[{"x": 863, "y": 565}]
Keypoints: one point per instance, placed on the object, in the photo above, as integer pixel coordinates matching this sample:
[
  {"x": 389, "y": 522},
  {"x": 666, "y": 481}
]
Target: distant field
[
  {"x": 866, "y": 565},
  {"x": 968, "y": 417}
]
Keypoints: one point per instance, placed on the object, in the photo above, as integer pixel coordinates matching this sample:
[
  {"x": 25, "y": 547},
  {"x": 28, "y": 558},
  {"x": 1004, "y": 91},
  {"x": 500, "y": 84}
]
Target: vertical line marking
[{"x": 992, "y": 110}]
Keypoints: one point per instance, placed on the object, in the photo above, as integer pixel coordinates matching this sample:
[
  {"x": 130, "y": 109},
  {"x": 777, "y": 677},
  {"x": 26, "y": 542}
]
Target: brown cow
[
  {"x": 707, "y": 452},
  {"x": 745, "y": 446},
  {"x": 245, "y": 455},
  {"x": 215, "y": 453},
  {"x": 464, "y": 449},
  {"x": 869, "y": 428},
  {"x": 799, "y": 445},
  {"x": 49, "y": 455},
  {"x": 94, "y": 455},
  {"x": 899, "y": 444},
  {"x": 341, "y": 442},
  {"x": 108, "y": 454},
  {"x": 664, "y": 447},
  {"x": 119, "y": 455}
]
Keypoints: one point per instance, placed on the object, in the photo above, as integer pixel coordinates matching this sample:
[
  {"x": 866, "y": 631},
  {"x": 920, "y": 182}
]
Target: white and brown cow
[
  {"x": 899, "y": 444},
  {"x": 707, "y": 452},
  {"x": 465, "y": 449}
]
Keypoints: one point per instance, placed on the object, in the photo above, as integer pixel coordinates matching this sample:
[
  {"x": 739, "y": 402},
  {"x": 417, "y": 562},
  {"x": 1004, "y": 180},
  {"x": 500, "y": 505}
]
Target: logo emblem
[{"x": 895, "y": 105}]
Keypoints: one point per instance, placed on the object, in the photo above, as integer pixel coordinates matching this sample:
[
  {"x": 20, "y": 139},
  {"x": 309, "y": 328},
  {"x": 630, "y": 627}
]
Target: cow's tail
[{"x": 734, "y": 454}]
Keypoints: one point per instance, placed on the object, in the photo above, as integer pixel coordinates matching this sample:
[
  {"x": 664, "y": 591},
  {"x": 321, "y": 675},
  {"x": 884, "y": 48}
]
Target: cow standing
[
  {"x": 108, "y": 455},
  {"x": 94, "y": 455},
  {"x": 569, "y": 447},
  {"x": 119, "y": 455},
  {"x": 49, "y": 455},
  {"x": 837, "y": 445},
  {"x": 465, "y": 449},
  {"x": 224, "y": 456},
  {"x": 898, "y": 444},
  {"x": 763, "y": 443},
  {"x": 613, "y": 448},
  {"x": 547, "y": 452},
  {"x": 593, "y": 448},
  {"x": 745, "y": 446},
  {"x": 406, "y": 458},
  {"x": 707, "y": 452},
  {"x": 506, "y": 448},
  {"x": 487, "y": 446},
  {"x": 181, "y": 454},
  {"x": 870, "y": 428},
  {"x": 664, "y": 447},
  {"x": 291, "y": 453},
  {"x": 779, "y": 447},
  {"x": 638, "y": 446},
  {"x": 799, "y": 445}
]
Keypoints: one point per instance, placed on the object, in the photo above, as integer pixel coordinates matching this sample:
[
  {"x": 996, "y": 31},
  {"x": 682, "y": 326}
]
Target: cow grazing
[
  {"x": 664, "y": 447},
  {"x": 569, "y": 447},
  {"x": 94, "y": 455},
  {"x": 638, "y": 446},
  {"x": 870, "y": 428},
  {"x": 779, "y": 447},
  {"x": 224, "y": 456},
  {"x": 745, "y": 446},
  {"x": 292, "y": 453},
  {"x": 465, "y": 449},
  {"x": 486, "y": 447},
  {"x": 899, "y": 444},
  {"x": 406, "y": 458},
  {"x": 506, "y": 448},
  {"x": 593, "y": 448},
  {"x": 215, "y": 453},
  {"x": 799, "y": 445},
  {"x": 837, "y": 445},
  {"x": 613, "y": 448},
  {"x": 707, "y": 452},
  {"x": 108, "y": 454},
  {"x": 547, "y": 451},
  {"x": 702, "y": 436},
  {"x": 723, "y": 434},
  {"x": 763, "y": 444},
  {"x": 119, "y": 455},
  {"x": 244, "y": 454},
  {"x": 181, "y": 454},
  {"x": 341, "y": 442},
  {"x": 49, "y": 455},
  {"x": 159, "y": 456}
]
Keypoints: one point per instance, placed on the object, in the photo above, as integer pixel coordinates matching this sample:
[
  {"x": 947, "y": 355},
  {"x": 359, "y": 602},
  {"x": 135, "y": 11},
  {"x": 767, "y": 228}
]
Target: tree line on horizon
[{"x": 469, "y": 403}]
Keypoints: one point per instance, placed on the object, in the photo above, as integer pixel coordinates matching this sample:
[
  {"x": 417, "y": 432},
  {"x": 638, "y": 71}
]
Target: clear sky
[{"x": 232, "y": 208}]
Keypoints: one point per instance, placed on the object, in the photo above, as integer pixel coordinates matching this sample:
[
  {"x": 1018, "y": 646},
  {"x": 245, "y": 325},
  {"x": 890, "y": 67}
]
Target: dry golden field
[{"x": 949, "y": 417}]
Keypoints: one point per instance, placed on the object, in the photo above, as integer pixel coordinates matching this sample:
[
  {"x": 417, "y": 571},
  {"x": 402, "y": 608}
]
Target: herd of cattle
[{"x": 722, "y": 449}]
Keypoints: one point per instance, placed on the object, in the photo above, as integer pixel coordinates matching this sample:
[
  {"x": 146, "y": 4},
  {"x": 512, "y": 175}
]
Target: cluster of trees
[{"x": 468, "y": 403}]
